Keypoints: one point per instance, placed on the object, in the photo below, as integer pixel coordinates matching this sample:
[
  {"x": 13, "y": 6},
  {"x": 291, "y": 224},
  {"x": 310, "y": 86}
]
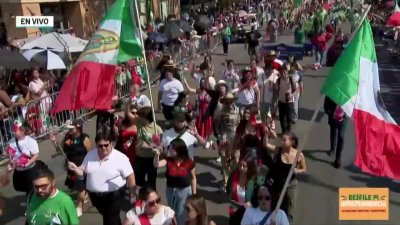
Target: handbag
[{"x": 38, "y": 164}]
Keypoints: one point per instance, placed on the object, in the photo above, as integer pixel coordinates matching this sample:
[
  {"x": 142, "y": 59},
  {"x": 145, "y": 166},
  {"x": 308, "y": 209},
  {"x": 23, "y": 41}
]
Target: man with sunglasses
[
  {"x": 107, "y": 172},
  {"x": 48, "y": 205}
]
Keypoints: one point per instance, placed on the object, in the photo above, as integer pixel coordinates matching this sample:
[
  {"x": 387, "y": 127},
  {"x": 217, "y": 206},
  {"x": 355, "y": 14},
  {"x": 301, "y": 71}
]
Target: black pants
[
  {"x": 144, "y": 167},
  {"x": 337, "y": 136},
  {"x": 109, "y": 205},
  {"x": 105, "y": 119},
  {"x": 225, "y": 45},
  {"x": 168, "y": 112},
  {"x": 285, "y": 115}
]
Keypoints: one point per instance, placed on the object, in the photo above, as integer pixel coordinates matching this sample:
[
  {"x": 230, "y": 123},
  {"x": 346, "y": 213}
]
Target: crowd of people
[{"x": 242, "y": 106}]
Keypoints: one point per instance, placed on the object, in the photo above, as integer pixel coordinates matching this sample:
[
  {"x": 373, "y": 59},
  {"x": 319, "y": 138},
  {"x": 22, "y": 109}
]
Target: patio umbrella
[
  {"x": 394, "y": 20},
  {"x": 157, "y": 37},
  {"x": 57, "y": 42},
  {"x": 13, "y": 60},
  {"x": 202, "y": 24},
  {"x": 47, "y": 58},
  {"x": 171, "y": 30}
]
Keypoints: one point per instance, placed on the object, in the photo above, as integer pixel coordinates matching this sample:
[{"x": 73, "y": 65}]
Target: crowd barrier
[{"x": 36, "y": 112}]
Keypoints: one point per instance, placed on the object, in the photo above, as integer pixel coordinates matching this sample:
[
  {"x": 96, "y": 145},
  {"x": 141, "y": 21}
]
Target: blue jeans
[
  {"x": 319, "y": 54},
  {"x": 176, "y": 199}
]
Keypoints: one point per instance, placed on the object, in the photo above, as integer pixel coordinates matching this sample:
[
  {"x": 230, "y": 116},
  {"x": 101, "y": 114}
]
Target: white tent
[{"x": 57, "y": 42}]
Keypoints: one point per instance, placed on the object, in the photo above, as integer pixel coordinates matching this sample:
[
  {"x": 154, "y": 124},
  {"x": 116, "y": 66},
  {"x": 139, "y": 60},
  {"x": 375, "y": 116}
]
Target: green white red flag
[
  {"x": 91, "y": 82},
  {"x": 353, "y": 83}
]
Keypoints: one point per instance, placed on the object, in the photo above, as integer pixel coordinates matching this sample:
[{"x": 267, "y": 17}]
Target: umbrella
[
  {"x": 157, "y": 37},
  {"x": 171, "y": 30},
  {"x": 57, "y": 42},
  {"x": 394, "y": 20},
  {"x": 47, "y": 58},
  {"x": 13, "y": 60},
  {"x": 185, "y": 26},
  {"x": 242, "y": 13},
  {"x": 202, "y": 24}
]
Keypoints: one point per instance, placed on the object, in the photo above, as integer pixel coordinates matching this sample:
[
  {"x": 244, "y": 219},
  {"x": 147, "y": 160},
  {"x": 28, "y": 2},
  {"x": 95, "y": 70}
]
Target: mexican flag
[
  {"x": 353, "y": 83},
  {"x": 91, "y": 82}
]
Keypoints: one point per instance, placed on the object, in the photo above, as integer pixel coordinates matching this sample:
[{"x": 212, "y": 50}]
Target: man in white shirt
[
  {"x": 108, "y": 172},
  {"x": 188, "y": 133}
]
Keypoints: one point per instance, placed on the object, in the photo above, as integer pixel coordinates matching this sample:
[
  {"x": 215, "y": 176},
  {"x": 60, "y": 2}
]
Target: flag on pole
[
  {"x": 91, "y": 82},
  {"x": 353, "y": 83}
]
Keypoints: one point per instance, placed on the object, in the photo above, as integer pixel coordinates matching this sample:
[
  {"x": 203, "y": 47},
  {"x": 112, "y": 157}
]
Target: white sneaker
[
  {"x": 207, "y": 145},
  {"x": 218, "y": 159},
  {"x": 79, "y": 211}
]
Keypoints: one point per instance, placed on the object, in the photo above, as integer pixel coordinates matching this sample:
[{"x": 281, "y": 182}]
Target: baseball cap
[{"x": 75, "y": 124}]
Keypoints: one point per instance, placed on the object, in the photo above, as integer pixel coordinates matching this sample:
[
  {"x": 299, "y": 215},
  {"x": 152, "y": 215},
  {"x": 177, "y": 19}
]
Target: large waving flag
[
  {"x": 353, "y": 83},
  {"x": 90, "y": 84}
]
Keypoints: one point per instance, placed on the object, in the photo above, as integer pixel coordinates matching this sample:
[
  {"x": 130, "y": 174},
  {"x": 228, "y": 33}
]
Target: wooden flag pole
[
  {"x": 134, "y": 5},
  {"x": 307, "y": 134}
]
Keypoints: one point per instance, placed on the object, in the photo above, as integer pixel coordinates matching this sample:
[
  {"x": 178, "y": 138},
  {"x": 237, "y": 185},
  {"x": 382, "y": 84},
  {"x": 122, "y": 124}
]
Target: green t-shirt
[
  {"x": 299, "y": 36},
  {"x": 57, "y": 210}
]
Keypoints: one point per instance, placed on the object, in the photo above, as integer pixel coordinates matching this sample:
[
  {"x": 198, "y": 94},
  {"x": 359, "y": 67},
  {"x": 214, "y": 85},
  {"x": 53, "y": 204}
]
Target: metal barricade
[{"x": 37, "y": 112}]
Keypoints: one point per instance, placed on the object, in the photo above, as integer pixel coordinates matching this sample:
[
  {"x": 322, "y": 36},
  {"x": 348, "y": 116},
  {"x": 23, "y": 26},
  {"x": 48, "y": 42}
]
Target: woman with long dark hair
[
  {"x": 181, "y": 176},
  {"x": 249, "y": 93},
  {"x": 75, "y": 145},
  {"x": 284, "y": 157},
  {"x": 128, "y": 133},
  {"x": 240, "y": 186}
]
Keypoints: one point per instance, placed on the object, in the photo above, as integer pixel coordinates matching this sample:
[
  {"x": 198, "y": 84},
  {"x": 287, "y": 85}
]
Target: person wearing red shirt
[{"x": 319, "y": 42}]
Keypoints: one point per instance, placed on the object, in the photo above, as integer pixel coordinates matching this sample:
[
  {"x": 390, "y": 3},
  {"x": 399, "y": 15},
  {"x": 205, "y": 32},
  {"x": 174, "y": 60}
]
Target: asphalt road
[{"x": 317, "y": 202}]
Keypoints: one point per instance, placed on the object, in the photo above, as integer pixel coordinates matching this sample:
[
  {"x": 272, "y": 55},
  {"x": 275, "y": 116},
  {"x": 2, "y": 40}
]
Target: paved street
[{"x": 317, "y": 202}]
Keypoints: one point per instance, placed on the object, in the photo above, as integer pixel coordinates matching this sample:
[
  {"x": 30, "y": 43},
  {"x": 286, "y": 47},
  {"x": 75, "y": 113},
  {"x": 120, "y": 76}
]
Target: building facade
[{"x": 82, "y": 16}]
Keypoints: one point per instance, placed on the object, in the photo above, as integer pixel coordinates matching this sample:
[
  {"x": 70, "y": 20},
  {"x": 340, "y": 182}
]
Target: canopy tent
[{"x": 57, "y": 42}]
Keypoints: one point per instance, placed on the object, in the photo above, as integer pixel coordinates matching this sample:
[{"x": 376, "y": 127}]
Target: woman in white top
[
  {"x": 249, "y": 93},
  {"x": 23, "y": 152},
  {"x": 261, "y": 213},
  {"x": 38, "y": 90},
  {"x": 230, "y": 75},
  {"x": 151, "y": 211},
  {"x": 168, "y": 93}
]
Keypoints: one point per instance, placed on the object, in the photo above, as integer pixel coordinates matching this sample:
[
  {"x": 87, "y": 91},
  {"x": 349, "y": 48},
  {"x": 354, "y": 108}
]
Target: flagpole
[
  {"x": 134, "y": 3},
  {"x": 307, "y": 134}
]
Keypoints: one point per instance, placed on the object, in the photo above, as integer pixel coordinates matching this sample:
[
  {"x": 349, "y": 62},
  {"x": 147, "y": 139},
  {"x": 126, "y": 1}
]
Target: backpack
[{"x": 292, "y": 84}]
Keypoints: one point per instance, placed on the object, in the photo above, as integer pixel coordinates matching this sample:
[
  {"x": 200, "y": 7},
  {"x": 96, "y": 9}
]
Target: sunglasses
[
  {"x": 41, "y": 187},
  {"x": 134, "y": 112},
  {"x": 188, "y": 209},
  {"x": 154, "y": 202},
  {"x": 103, "y": 146},
  {"x": 264, "y": 197}
]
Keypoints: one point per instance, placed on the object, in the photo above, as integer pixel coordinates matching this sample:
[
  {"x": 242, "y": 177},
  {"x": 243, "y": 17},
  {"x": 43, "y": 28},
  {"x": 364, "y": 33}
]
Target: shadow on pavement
[
  {"x": 372, "y": 181},
  {"x": 306, "y": 114},
  {"x": 207, "y": 179},
  {"x": 314, "y": 155},
  {"x": 213, "y": 196},
  {"x": 13, "y": 209},
  {"x": 210, "y": 162}
]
